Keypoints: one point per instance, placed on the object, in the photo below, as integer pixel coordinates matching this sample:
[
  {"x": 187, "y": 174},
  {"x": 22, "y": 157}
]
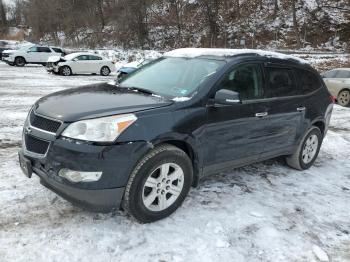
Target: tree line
[{"x": 167, "y": 24}]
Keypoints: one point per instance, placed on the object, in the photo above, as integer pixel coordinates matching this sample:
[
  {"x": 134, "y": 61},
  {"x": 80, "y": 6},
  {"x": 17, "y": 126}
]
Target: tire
[
  {"x": 20, "y": 61},
  {"x": 148, "y": 185},
  {"x": 65, "y": 71},
  {"x": 344, "y": 98},
  {"x": 105, "y": 71},
  {"x": 307, "y": 151}
]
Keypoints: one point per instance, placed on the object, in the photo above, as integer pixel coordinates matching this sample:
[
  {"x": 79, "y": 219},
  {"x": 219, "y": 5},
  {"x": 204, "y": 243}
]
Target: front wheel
[
  {"x": 65, "y": 71},
  {"x": 20, "y": 61},
  {"x": 159, "y": 184},
  {"x": 344, "y": 98},
  {"x": 307, "y": 151},
  {"x": 105, "y": 71}
]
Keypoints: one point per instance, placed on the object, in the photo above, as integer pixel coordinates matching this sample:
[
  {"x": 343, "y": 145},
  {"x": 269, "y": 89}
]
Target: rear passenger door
[
  {"x": 43, "y": 54},
  {"x": 95, "y": 63},
  {"x": 284, "y": 111}
]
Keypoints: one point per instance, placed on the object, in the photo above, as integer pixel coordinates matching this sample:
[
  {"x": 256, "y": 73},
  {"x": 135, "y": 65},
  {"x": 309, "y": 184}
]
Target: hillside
[{"x": 166, "y": 24}]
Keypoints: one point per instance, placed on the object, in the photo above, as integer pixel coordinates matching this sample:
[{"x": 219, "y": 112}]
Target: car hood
[
  {"x": 8, "y": 51},
  {"x": 95, "y": 101},
  {"x": 56, "y": 58}
]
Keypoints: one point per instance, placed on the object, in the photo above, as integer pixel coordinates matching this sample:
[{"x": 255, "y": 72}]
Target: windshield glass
[{"x": 173, "y": 76}]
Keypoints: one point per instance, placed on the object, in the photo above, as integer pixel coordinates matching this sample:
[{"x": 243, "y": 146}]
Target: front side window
[
  {"x": 93, "y": 57},
  {"x": 330, "y": 74},
  {"x": 281, "y": 82},
  {"x": 173, "y": 76},
  {"x": 309, "y": 82},
  {"x": 82, "y": 58},
  {"x": 33, "y": 49},
  {"x": 246, "y": 80}
]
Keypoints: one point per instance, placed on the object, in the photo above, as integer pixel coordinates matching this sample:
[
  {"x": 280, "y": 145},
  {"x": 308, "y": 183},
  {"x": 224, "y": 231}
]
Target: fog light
[{"x": 78, "y": 176}]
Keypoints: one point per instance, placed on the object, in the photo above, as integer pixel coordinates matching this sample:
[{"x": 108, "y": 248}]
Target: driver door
[
  {"x": 234, "y": 133},
  {"x": 81, "y": 64}
]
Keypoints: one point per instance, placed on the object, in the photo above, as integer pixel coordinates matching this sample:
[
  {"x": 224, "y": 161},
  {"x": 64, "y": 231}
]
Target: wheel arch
[
  {"x": 60, "y": 68},
  {"x": 20, "y": 56},
  {"x": 321, "y": 125},
  {"x": 189, "y": 150}
]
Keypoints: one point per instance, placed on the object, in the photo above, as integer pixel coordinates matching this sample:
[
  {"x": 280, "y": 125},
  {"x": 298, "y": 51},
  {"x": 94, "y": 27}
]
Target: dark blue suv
[{"x": 141, "y": 143}]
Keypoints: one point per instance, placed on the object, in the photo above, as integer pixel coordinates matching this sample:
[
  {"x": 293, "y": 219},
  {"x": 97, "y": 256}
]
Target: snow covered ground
[{"x": 262, "y": 212}]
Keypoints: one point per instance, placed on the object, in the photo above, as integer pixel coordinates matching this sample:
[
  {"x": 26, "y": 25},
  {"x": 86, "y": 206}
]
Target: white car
[
  {"x": 30, "y": 54},
  {"x": 338, "y": 84},
  {"x": 80, "y": 63}
]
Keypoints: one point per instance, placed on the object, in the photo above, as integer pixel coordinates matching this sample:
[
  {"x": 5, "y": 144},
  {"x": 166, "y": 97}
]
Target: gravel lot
[{"x": 262, "y": 212}]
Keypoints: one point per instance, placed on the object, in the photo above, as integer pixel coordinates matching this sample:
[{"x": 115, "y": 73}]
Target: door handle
[
  {"x": 262, "y": 114},
  {"x": 300, "y": 109}
]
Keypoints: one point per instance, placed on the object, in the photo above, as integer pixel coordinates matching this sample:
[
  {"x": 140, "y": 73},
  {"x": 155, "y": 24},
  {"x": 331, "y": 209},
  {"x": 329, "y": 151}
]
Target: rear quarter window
[
  {"x": 309, "y": 81},
  {"x": 343, "y": 74},
  {"x": 280, "y": 82}
]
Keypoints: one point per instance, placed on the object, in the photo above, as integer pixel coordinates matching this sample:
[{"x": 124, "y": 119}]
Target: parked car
[
  {"x": 80, "y": 63},
  {"x": 30, "y": 54},
  {"x": 338, "y": 84},
  {"x": 141, "y": 143},
  {"x": 131, "y": 67}
]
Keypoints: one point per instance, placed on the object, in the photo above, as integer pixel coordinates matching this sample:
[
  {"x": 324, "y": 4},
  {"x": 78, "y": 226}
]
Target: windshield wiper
[{"x": 141, "y": 90}]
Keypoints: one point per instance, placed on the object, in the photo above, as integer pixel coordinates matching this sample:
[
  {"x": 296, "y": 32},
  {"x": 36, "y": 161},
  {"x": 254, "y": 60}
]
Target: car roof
[
  {"x": 73, "y": 55},
  {"x": 228, "y": 53}
]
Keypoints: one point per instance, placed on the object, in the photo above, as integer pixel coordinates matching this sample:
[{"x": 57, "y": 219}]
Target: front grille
[
  {"x": 5, "y": 55},
  {"x": 36, "y": 145},
  {"x": 44, "y": 123}
]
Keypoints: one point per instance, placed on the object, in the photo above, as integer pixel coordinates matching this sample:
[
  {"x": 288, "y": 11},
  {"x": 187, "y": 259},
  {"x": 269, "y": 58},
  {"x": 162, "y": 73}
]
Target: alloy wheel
[
  {"x": 344, "y": 98},
  {"x": 310, "y": 149},
  {"x": 163, "y": 187},
  {"x": 66, "y": 71},
  {"x": 105, "y": 71}
]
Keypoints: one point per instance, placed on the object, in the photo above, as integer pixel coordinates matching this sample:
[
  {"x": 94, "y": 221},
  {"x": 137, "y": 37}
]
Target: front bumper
[{"x": 116, "y": 163}]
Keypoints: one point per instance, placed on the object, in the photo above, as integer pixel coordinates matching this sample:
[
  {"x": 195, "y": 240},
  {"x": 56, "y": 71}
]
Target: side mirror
[
  {"x": 75, "y": 59},
  {"x": 226, "y": 97}
]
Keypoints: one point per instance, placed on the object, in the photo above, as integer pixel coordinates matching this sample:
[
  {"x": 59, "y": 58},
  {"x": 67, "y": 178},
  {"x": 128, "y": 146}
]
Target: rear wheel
[
  {"x": 105, "y": 71},
  {"x": 65, "y": 71},
  {"x": 344, "y": 98},
  {"x": 159, "y": 184},
  {"x": 20, "y": 61},
  {"x": 307, "y": 151}
]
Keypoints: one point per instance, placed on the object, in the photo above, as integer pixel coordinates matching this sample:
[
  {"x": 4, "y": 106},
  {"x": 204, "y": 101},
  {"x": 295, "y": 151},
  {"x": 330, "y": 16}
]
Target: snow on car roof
[{"x": 196, "y": 52}]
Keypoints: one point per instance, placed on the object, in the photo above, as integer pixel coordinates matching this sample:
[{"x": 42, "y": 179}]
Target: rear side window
[
  {"x": 343, "y": 74},
  {"x": 281, "y": 82},
  {"x": 44, "y": 49},
  {"x": 57, "y": 50},
  {"x": 245, "y": 80},
  {"x": 309, "y": 82}
]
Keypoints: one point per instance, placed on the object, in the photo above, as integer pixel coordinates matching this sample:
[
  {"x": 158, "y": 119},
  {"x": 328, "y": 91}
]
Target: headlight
[{"x": 105, "y": 129}]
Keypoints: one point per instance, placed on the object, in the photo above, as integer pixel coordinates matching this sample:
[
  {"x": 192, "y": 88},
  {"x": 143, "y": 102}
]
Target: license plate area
[{"x": 26, "y": 166}]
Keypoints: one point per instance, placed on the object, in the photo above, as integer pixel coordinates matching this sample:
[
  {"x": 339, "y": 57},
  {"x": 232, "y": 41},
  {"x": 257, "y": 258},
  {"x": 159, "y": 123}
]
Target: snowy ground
[{"x": 263, "y": 212}]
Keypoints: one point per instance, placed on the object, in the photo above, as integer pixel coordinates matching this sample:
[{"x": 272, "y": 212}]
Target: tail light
[{"x": 333, "y": 99}]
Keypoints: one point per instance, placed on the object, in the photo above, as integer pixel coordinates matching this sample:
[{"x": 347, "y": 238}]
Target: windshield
[{"x": 173, "y": 76}]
